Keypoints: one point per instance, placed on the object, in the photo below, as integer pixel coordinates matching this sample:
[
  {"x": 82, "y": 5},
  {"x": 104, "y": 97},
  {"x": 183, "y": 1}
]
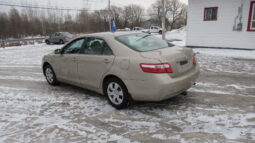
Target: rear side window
[
  {"x": 96, "y": 46},
  {"x": 57, "y": 34},
  {"x": 142, "y": 42},
  {"x": 68, "y": 34}
]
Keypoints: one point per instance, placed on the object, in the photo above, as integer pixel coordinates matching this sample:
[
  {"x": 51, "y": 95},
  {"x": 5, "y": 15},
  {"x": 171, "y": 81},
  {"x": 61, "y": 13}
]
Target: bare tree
[
  {"x": 176, "y": 13},
  {"x": 117, "y": 14},
  {"x": 154, "y": 13},
  {"x": 4, "y": 22},
  {"x": 15, "y": 23},
  {"x": 29, "y": 21},
  {"x": 132, "y": 15}
]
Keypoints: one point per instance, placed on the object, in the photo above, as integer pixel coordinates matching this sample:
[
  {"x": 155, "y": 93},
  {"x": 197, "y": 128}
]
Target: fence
[{"x": 5, "y": 43}]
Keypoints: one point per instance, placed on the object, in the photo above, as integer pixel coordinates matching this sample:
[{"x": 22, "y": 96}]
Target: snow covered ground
[{"x": 220, "y": 108}]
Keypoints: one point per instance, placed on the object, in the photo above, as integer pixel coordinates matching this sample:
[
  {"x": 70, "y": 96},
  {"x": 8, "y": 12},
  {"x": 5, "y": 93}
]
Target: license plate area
[
  {"x": 184, "y": 66},
  {"x": 183, "y": 62}
]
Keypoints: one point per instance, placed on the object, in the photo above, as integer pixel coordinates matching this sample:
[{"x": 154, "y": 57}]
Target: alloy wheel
[
  {"x": 115, "y": 93},
  {"x": 49, "y": 75}
]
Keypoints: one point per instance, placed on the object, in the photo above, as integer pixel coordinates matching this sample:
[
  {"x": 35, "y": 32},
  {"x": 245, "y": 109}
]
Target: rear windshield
[
  {"x": 67, "y": 34},
  {"x": 142, "y": 42}
]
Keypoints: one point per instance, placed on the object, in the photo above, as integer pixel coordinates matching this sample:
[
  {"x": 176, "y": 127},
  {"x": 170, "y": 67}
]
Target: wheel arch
[
  {"x": 44, "y": 65},
  {"x": 109, "y": 76}
]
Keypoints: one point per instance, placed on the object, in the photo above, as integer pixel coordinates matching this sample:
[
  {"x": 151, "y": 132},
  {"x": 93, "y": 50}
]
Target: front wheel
[
  {"x": 117, "y": 93},
  {"x": 47, "y": 42},
  {"x": 160, "y": 32},
  {"x": 50, "y": 75}
]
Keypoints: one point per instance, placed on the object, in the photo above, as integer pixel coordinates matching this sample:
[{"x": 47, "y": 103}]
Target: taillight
[
  {"x": 194, "y": 60},
  {"x": 157, "y": 68},
  {"x": 65, "y": 37}
]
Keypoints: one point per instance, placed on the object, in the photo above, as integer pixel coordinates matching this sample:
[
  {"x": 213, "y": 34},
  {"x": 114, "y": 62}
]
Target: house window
[
  {"x": 210, "y": 13},
  {"x": 251, "y": 24}
]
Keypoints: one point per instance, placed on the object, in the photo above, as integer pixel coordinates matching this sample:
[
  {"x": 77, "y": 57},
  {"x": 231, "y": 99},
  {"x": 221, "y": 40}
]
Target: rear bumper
[{"x": 162, "y": 86}]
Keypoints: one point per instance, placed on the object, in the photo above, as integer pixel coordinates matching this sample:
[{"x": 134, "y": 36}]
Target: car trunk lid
[{"x": 179, "y": 58}]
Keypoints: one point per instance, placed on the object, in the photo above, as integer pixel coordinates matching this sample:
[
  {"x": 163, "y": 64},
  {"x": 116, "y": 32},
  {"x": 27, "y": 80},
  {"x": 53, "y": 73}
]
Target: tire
[
  {"x": 47, "y": 42},
  {"x": 61, "y": 42},
  {"x": 117, "y": 93},
  {"x": 160, "y": 32},
  {"x": 50, "y": 75}
]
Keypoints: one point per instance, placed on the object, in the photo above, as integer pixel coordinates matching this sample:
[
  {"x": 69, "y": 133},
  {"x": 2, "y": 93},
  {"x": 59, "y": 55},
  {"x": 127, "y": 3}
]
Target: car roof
[{"x": 110, "y": 34}]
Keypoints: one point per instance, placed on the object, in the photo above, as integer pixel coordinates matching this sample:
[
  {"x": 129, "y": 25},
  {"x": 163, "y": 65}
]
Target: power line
[{"x": 47, "y": 8}]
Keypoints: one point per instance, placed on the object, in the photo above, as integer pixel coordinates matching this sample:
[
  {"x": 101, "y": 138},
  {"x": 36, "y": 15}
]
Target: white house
[{"x": 221, "y": 23}]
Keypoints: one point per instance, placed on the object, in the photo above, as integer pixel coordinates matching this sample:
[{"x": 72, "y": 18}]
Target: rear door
[
  {"x": 156, "y": 29},
  {"x": 52, "y": 37},
  {"x": 153, "y": 29},
  {"x": 57, "y": 37},
  {"x": 94, "y": 61}
]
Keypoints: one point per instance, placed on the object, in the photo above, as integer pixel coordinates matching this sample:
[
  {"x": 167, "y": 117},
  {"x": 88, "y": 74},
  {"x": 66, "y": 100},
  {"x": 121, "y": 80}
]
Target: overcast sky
[{"x": 78, "y": 4}]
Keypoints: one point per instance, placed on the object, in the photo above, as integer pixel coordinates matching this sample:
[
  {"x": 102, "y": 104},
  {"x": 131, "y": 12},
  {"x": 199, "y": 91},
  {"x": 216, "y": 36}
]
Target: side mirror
[{"x": 57, "y": 51}]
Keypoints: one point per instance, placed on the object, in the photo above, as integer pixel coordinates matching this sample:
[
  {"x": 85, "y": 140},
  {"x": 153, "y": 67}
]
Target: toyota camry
[{"x": 124, "y": 66}]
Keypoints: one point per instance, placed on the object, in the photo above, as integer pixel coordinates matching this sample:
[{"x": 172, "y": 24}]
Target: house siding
[{"x": 219, "y": 33}]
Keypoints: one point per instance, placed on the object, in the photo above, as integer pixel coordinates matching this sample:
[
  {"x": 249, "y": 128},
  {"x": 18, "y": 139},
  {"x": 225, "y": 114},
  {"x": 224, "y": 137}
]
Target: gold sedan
[{"x": 123, "y": 66}]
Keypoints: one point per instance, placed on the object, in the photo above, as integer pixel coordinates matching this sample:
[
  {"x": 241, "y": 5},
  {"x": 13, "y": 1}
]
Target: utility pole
[
  {"x": 109, "y": 9},
  {"x": 163, "y": 19}
]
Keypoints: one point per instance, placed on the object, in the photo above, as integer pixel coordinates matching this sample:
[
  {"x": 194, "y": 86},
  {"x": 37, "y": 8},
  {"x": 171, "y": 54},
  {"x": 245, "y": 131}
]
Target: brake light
[
  {"x": 65, "y": 37},
  {"x": 194, "y": 60},
  {"x": 157, "y": 68}
]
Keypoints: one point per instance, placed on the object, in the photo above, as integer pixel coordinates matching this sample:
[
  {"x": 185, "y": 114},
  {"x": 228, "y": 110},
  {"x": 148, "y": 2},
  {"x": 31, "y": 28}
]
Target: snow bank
[
  {"x": 244, "y": 54},
  {"x": 177, "y": 36}
]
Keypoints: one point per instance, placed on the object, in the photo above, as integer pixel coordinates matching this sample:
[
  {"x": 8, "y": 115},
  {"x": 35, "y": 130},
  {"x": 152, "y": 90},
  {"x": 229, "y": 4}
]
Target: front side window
[
  {"x": 251, "y": 23},
  {"x": 74, "y": 47},
  {"x": 210, "y": 13},
  {"x": 96, "y": 46},
  {"x": 142, "y": 42}
]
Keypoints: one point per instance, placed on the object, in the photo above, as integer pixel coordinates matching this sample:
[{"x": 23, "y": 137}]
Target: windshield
[{"x": 142, "y": 42}]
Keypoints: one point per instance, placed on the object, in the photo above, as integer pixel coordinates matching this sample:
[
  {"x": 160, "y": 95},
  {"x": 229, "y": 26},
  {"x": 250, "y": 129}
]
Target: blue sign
[{"x": 113, "y": 26}]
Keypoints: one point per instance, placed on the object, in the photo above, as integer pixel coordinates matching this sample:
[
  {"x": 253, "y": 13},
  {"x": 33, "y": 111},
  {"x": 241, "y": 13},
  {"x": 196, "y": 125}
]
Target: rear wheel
[
  {"x": 117, "y": 93},
  {"x": 50, "y": 75},
  {"x": 160, "y": 32}
]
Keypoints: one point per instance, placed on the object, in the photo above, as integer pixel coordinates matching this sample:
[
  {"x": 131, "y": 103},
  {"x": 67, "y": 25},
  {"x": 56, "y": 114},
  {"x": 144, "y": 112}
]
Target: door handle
[{"x": 107, "y": 61}]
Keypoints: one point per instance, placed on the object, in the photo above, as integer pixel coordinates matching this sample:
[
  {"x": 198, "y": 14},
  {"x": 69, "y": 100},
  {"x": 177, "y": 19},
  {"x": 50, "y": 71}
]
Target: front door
[
  {"x": 67, "y": 61},
  {"x": 94, "y": 61}
]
